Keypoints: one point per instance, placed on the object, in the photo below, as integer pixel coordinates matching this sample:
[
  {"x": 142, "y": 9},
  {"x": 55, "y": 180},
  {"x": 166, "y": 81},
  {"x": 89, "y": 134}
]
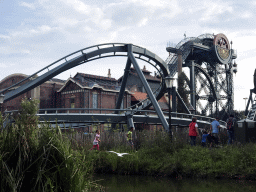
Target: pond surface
[{"x": 121, "y": 183}]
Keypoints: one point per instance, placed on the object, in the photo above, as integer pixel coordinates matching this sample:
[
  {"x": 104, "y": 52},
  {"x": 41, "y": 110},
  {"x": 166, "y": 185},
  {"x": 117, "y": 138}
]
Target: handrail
[{"x": 173, "y": 114}]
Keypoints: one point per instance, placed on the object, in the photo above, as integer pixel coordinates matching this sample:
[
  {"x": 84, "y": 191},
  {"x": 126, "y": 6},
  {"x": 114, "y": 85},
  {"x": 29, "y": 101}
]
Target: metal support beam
[
  {"x": 122, "y": 89},
  {"x": 130, "y": 121},
  {"x": 216, "y": 88},
  {"x": 180, "y": 61},
  {"x": 147, "y": 88},
  {"x": 192, "y": 84},
  {"x": 184, "y": 106},
  {"x": 174, "y": 100},
  {"x": 249, "y": 101}
]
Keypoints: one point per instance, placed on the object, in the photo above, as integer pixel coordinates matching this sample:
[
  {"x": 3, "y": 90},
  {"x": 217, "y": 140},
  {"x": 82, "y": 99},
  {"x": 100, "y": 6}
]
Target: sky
[{"x": 35, "y": 33}]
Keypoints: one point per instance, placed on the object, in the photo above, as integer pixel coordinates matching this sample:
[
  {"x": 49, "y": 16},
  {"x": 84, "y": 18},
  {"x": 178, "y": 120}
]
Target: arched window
[{"x": 94, "y": 100}]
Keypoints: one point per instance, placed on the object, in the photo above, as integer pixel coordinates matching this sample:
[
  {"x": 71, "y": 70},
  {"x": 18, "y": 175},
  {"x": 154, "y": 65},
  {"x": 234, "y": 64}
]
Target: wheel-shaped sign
[{"x": 222, "y": 48}]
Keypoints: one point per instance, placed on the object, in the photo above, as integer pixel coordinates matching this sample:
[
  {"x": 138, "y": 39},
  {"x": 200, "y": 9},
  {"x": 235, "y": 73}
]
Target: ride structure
[
  {"x": 132, "y": 52},
  {"x": 210, "y": 59},
  {"x": 251, "y": 114}
]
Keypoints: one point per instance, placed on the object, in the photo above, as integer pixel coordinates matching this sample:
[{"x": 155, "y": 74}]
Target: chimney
[
  {"x": 109, "y": 74},
  {"x": 144, "y": 68}
]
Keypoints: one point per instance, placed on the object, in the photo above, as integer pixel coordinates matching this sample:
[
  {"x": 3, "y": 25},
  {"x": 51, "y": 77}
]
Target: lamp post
[
  {"x": 169, "y": 86},
  {"x": 1, "y": 101}
]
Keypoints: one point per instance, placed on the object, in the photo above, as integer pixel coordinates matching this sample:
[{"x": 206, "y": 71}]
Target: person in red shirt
[{"x": 193, "y": 131}]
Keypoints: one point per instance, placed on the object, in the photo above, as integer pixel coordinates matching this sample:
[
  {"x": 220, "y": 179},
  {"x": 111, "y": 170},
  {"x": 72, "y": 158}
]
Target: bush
[{"x": 40, "y": 159}]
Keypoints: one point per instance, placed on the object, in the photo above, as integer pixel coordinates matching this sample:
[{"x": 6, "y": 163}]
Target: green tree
[{"x": 182, "y": 85}]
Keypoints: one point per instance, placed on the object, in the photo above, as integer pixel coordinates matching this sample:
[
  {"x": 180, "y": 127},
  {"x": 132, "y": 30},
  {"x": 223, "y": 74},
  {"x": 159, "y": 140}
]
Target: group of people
[
  {"x": 97, "y": 139},
  {"x": 213, "y": 134}
]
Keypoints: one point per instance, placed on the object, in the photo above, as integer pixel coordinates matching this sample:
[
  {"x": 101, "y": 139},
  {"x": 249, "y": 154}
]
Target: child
[
  {"x": 204, "y": 136},
  {"x": 96, "y": 140},
  {"x": 129, "y": 137}
]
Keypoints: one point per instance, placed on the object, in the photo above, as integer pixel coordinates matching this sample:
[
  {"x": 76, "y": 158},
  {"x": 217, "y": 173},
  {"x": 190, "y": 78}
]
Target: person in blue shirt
[
  {"x": 215, "y": 130},
  {"x": 206, "y": 136}
]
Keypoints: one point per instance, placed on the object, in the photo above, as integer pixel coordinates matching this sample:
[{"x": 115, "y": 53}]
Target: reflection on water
[{"x": 121, "y": 183}]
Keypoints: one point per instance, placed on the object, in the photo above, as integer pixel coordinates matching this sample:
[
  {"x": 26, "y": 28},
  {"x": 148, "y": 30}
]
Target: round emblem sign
[{"x": 222, "y": 48}]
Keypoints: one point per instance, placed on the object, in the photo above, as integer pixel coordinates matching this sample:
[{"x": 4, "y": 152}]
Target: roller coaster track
[
  {"x": 86, "y": 55},
  {"x": 104, "y": 51},
  {"x": 185, "y": 47}
]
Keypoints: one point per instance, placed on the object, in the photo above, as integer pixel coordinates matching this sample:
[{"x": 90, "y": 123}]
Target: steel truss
[{"x": 210, "y": 82}]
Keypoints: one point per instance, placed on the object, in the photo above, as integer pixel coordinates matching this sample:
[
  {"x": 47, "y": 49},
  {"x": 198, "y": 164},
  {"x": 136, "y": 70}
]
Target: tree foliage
[{"x": 183, "y": 92}]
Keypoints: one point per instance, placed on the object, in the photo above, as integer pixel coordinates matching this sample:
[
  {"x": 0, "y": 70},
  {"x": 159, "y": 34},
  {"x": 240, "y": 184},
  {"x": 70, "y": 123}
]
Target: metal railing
[{"x": 80, "y": 111}]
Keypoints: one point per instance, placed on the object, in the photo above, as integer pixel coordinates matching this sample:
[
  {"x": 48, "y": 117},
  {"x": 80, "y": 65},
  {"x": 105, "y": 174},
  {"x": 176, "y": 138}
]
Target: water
[{"x": 121, "y": 183}]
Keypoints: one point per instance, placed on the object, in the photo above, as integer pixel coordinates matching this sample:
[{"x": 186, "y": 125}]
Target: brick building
[
  {"x": 46, "y": 92},
  {"x": 134, "y": 83},
  {"x": 91, "y": 91},
  {"x": 85, "y": 91}
]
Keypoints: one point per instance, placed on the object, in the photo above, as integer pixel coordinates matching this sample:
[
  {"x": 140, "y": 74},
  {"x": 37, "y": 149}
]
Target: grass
[
  {"x": 40, "y": 159},
  {"x": 45, "y": 159},
  {"x": 155, "y": 155}
]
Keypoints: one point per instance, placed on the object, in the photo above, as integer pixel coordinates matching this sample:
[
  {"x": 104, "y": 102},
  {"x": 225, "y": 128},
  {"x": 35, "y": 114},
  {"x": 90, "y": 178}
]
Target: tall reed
[{"x": 39, "y": 159}]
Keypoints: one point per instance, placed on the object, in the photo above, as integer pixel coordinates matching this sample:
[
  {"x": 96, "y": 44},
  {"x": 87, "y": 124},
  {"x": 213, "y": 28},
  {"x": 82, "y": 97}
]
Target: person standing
[
  {"x": 230, "y": 128},
  {"x": 129, "y": 137},
  {"x": 215, "y": 129},
  {"x": 205, "y": 136},
  {"x": 96, "y": 140},
  {"x": 193, "y": 131}
]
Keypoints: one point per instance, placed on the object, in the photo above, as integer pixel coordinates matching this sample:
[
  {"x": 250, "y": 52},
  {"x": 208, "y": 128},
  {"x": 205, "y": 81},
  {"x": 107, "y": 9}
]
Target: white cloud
[
  {"x": 246, "y": 15},
  {"x": 143, "y": 22},
  {"x": 5, "y": 36},
  {"x": 7, "y": 50},
  {"x": 28, "y": 5},
  {"x": 2, "y": 65},
  {"x": 79, "y": 6},
  {"x": 87, "y": 29},
  {"x": 154, "y": 4},
  {"x": 107, "y": 38},
  {"x": 67, "y": 21},
  {"x": 44, "y": 29},
  {"x": 214, "y": 9},
  {"x": 105, "y": 24},
  {"x": 66, "y": 14}
]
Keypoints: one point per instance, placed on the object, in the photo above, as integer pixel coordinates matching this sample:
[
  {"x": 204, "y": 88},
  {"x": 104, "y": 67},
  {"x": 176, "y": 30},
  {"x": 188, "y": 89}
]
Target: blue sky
[{"x": 35, "y": 33}]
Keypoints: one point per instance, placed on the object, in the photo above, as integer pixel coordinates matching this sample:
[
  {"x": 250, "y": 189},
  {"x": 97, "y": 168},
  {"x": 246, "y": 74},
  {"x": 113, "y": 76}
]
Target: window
[
  {"x": 94, "y": 100},
  {"x": 72, "y": 102}
]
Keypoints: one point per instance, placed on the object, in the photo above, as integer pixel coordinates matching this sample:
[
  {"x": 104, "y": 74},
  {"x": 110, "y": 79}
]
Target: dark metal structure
[
  {"x": 132, "y": 52},
  {"x": 67, "y": 118},
  {"x": 251, "y": 114},
  {"x": 209, "y": 86},
  {"x": 208, "y": 57}
]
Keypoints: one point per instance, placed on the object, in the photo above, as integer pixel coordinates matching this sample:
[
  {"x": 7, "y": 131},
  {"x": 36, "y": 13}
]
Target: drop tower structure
[{"x": 209, "y": 81}]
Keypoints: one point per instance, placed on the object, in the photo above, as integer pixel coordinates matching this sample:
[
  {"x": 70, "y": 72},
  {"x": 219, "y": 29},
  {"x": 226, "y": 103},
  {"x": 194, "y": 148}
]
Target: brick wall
[
  {"x": 13, "y": 104},
  {"x": 46, "y": 93}
]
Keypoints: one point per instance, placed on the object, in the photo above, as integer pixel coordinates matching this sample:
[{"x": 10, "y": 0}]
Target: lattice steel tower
[{"x": 209, "y": 86}]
